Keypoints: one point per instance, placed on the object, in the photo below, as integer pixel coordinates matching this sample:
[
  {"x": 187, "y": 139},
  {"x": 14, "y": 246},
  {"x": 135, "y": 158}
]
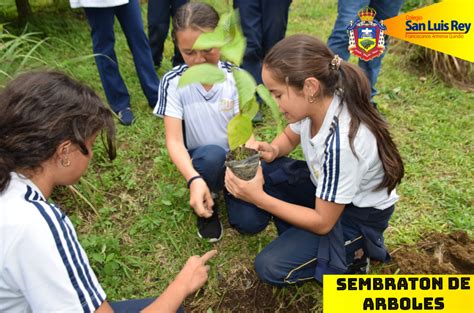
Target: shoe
[
  {"x": 210, "y": 229},
  {"x": 126, "y": 117},
  {"x": 359, "y": 266},
  {"x": 258, "y": 118}
]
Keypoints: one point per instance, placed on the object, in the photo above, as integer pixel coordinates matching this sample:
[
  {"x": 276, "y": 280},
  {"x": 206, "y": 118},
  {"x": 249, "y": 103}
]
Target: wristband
[{"x": 192, "y": 179}]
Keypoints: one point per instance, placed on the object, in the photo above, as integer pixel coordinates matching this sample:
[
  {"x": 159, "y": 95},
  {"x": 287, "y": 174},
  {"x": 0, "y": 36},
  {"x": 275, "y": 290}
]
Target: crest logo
[{"x": 366, "y": 38}]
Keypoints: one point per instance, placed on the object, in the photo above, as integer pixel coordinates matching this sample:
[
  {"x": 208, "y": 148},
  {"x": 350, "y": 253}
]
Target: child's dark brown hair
[
  {"x": 196, "y": 15},
  {"x": 42, "y": 109},
  {"x": 298, "y": 57}
]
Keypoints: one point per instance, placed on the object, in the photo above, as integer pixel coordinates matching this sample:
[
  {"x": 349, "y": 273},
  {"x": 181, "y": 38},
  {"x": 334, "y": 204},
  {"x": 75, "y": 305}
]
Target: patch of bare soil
[
  {"x": 437, "y": 254},
  {"x": 246, "y": 293},
  {"x": 242, "y": 291}
]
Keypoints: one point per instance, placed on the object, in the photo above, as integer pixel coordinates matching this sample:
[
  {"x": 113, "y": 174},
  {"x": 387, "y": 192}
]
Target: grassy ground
[{"x": 144, "y": 230}]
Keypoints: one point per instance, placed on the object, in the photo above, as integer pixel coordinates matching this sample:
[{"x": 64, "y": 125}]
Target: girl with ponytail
[{"x": 330, "y": 210}]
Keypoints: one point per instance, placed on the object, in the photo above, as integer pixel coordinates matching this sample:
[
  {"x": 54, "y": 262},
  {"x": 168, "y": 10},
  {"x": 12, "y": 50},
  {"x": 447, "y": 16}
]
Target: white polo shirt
[
  {"x": 43, "y": 268},
  {"x": 96, "y": 3},
  {"x": 339, "y": 176},
  {"x": 205, "y": 113}
]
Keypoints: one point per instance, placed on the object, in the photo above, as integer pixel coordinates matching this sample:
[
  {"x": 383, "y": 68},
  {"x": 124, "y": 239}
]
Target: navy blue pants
[
  {"x": 209, "y": 163},
  {"x": 101, "y": 21},
  {"x": 160, "y": 13},
  {"x": 347, "y": 10},
  {"x": 134, "y": 306},
  {"x": 298, "y": 255},
  {"x": 264, "y": 24}
]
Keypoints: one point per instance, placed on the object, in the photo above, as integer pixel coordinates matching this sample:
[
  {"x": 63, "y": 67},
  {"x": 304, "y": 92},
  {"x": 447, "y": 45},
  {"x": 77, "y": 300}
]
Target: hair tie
[{"x": 335, "y": 63}]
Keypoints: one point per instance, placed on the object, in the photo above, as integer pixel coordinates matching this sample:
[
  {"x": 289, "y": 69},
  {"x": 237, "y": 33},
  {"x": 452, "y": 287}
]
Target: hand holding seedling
[
  {"x": 247, "y": 190},
  {"x": 268, "y": 152},
  {"x": 195, "y": 272},
  {"x": 200, "y": 198}
]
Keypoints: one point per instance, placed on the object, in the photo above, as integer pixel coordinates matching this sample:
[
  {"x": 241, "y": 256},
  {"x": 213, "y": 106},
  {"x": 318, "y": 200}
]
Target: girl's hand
[
  {"x": 248, "y": 191},
  {"x": 267, "y": 151},
  {"x": 195, "y": 272},
  {"x": 200, "y": 198}
]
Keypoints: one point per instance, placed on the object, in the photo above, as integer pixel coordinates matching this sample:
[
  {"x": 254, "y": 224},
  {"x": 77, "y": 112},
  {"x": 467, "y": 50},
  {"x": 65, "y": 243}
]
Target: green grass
[{"x": 145, "y": 229}]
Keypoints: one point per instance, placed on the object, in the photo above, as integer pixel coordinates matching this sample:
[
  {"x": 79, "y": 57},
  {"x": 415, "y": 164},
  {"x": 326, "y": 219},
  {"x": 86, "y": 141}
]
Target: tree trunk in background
[{"x": 24, "y": 10}]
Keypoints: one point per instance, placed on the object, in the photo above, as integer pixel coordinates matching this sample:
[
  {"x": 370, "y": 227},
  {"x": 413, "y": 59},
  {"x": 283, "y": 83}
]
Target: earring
[
  {"x": 312, "y": 98},
  {"x": 65, "y": 162}
]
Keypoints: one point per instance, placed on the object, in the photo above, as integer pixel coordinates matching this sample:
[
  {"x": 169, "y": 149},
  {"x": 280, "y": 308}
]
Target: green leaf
[
  {"x": 203, "y": 73},
  {"x": 227, "y": 36},
  {"x": 98, "y": 257},
  {"x": 250, "y": 108},
  {"x": 215, "y": 39},
  {"x": 245, "y": 85},
  {"x": 226, "y": 22},
  {"x": 166, "y": 202},
  {"x": 239, "y": 130},
  {"x": 267, "y": 97},
  {"x": 110, "y": 268},
  {"x": 234, "y": 51}
]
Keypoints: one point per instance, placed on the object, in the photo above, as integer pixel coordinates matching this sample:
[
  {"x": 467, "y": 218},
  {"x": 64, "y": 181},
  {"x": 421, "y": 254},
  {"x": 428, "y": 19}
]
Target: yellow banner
[
  {"x": 446, "y": 26},
  {"x": 398, "y": 293}
]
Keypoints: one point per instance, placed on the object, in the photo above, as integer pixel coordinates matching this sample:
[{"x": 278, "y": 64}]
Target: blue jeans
[
  {"x": 134, "y": 306},
  {"x": 263, "y": 24},
  {"x": 338, "y": 42},
  {"x": 208, "y": 161},
  {"x": 101, "y": 21},
  {"x": 298, "y": 255},
  {"x": 159, "y": 15}
]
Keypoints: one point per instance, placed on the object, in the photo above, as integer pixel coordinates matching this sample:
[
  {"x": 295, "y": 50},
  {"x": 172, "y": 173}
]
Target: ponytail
[
  {"x": 297, "y": 57},
  {"x": 356, "y": 94}
]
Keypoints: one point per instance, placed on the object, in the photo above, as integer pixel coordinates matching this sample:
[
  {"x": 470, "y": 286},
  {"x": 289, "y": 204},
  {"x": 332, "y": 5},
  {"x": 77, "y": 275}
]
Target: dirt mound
[{"x": 437, "y": 254}]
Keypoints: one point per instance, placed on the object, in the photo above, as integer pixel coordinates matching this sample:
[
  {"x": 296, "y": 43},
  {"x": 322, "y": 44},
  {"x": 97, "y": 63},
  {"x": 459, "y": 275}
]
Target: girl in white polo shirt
[
  {"x": 48, "y": 126},
  {"x": 196, "y": 118},
  {"x": 331, "y": 209}
]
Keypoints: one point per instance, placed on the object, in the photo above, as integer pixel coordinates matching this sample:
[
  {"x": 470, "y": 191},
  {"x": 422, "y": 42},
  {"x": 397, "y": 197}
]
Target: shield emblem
[
  {"x": 366, "y": 36},
  {"x": 366, "y": 39}
]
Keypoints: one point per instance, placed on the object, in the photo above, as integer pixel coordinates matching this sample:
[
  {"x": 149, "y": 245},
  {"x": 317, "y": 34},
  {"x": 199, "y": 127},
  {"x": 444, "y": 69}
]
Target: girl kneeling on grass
[
  {"x": 48, "y": 126},
  {"x": 196, "y": 118},
  {"x": 330, "y": 211}
]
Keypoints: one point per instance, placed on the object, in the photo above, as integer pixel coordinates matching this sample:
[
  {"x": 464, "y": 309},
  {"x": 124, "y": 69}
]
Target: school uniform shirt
[
  {"x": 205, "y": 114},
  {"x": 96, "y": 3},
  {"x": 43, "y": 268},
  {"x": 340, "y": 176}
]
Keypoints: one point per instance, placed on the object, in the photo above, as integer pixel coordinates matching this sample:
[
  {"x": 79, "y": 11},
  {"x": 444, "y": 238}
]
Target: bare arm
[
  {"x": 200, "y": 196},
  {"x": 193, "y": 276},
  {"x": 319, "y": 220},
  {"x": 104, "y": 308},
  {"x": 286, "y": 142},
  {"x": 176, "y": 148}
]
